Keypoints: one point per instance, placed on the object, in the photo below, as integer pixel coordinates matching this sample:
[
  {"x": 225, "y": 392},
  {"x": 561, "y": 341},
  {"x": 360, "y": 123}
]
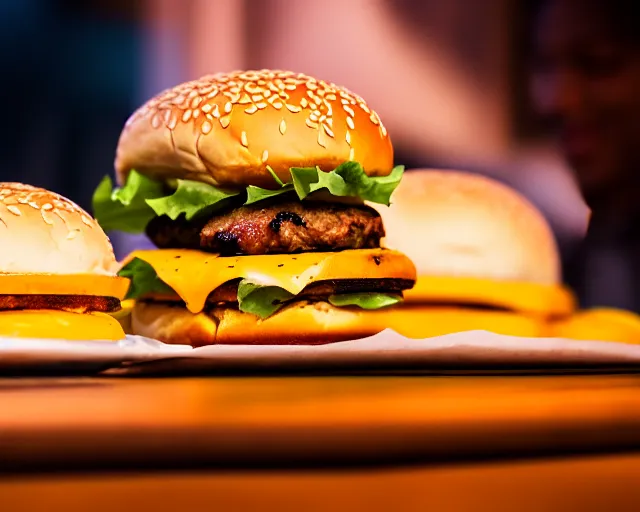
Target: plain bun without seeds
[
  {"x": 42, "y": 232},
  {"x": 459, "y": 224},
  {"x": 298, "y": 323},
  {"x": 226, "y": 129}
]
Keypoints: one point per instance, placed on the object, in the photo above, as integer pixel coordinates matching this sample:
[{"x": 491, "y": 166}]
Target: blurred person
[{"x": 586, "y": 83}]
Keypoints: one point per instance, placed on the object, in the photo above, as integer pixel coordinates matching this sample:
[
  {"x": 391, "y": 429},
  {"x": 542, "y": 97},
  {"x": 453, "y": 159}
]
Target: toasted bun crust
[
  {"x": 43, "y": 232},
  {"x": 300, "y": 323},
  {"x": 226, "y": 129},
  {"x": 460, "y": 224}
]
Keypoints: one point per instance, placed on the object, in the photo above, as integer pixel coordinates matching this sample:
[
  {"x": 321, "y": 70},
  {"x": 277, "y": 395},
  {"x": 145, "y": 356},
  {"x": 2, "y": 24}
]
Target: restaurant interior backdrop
[{"x": 448, "y": 79}]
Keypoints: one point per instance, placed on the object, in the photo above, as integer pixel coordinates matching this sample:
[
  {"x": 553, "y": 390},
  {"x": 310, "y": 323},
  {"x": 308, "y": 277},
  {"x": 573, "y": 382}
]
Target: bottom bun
[{"x": 299, "y": 323}]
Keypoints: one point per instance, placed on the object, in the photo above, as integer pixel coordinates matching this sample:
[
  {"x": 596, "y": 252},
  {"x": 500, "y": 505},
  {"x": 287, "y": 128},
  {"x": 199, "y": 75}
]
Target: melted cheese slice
[
  {"x": 602, "y": 324},
  {"x": 59, "y": 324},
  {"x": 528, "y": 298},
  {"x": 195, "y": 274},
  {"x": 64, "y": 284},
  {"x": 419, "y": 322}
]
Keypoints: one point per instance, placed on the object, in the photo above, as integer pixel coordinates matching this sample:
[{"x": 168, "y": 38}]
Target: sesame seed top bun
[
  {"x": 460, "y": 224},
  {"x": 225, "y": 129},
  {"x": 43, "y": 232}
]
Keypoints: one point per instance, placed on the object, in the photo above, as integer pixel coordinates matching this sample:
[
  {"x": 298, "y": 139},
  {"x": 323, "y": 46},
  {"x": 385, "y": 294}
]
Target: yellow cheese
[
  {"x": 61, "y": 284},
  {"x": 59, "y": 324},
  {"x": 601, "y": 324},
  {"x": 195, "y": 274},
  {"x": 425, "y": 322},
  {"x": 529, "y": 298}
]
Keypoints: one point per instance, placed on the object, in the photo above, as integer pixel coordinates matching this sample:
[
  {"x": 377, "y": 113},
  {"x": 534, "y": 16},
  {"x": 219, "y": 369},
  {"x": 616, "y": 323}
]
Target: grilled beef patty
[{"x": 282, "y": 228}]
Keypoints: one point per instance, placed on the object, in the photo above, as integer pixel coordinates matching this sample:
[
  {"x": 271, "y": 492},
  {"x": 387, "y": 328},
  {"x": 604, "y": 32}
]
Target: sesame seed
[
  {"x": 47, "y": 206},
  {"x": 243, "y": 139},
  {"x": 251, "y": 110},
  {"x": 349, "y": 110},
  {"x": 86, "y": 220},
  {"x": 244, "y": 100},
  {"x": 351, "y": 154},
  {"x": 311, "y": 124},
  {"x": 257, "y": 97},
  {"x": 293, "y": 108},
  {"x": 206, "y": 127},
  {"x": 196, "y": 113},
  {"x": 350, "y": 123},
  {"x": 33, "y": 204},
  {"x": 14, "y": 209},
  {"x": 383, "y": 130},
  {"x": 196, "y": 101},
  {"x": 328, "y": 131},
  {"x": 228, "y": 106},
  {"x": 47, "y": 220},
  {"x": 172, "y": 121},
  {"x": 348, "y": 137},
  {"x": 216, "y": 111},
  {"x": 72, "y": 234},
  {"x": 283, "y": 127},
  {"x": 265, "y": 156},
  {"x": 212, "y": 94},
  {"x": 311, "y": 85},
  {"x": 374, "y": 118},
  {"x": 225, "y": 121},
  {"x": 207, "y": 108},
  {"x": 261, "y": 105},
  {"x": 156, "y": 121},
  {"x": 178, "y": 100},
  {"x": 313, "y": 116},
  {"x": 278, "y": 105},
  {"x": 364, "y": 107},
  {"x": 186, "y": 116},
  {"x": 304, "y": 102},
  {"x": 321, "y": 139}
]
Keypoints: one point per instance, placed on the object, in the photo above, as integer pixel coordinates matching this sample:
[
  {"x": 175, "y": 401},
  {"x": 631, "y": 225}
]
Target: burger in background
[
  {"x": 252, "y": 186},
  {"x": 57, "y": 269},
  {"x": 486, "y": 260}
]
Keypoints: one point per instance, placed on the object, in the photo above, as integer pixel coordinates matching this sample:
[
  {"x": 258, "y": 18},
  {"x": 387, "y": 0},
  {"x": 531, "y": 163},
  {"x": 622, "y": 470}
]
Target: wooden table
[{"x": 563, "y": 442}]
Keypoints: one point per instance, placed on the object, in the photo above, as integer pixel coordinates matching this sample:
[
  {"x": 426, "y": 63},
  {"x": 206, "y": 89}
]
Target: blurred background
[{"x": 450, "y": 80}]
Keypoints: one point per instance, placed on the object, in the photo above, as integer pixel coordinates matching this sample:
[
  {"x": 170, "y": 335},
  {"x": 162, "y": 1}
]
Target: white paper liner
[
  {"x": 29, "y": 355},
  {"x": 384, "y": 351},
  {"x": 389, "y": 350}
]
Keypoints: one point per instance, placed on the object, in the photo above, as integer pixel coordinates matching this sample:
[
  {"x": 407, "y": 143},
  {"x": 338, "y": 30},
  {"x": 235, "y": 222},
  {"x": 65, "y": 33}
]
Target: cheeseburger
[
  {"x": 252, "y": 185},
  {"x": 57, "y": 269},
  {"x": 486, "y": 258}
]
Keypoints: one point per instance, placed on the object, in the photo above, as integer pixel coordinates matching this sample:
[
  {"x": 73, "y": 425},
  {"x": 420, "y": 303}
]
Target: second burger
[{"x": 252, "y": 185}]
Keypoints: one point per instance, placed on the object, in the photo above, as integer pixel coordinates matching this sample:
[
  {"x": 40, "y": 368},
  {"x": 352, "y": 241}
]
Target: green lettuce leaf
[
  {"x": 131, "y": 207},
  {"x": 346, "y": 180},
  {"x": 126, "y": 209},
  {"x": 255, "y": 194},
  {"x": 262, "y": 301},
  {"x": 191, "y": 198},
  {"x": 144, "y": 279},
  {"x": 370, "y": 300}
]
